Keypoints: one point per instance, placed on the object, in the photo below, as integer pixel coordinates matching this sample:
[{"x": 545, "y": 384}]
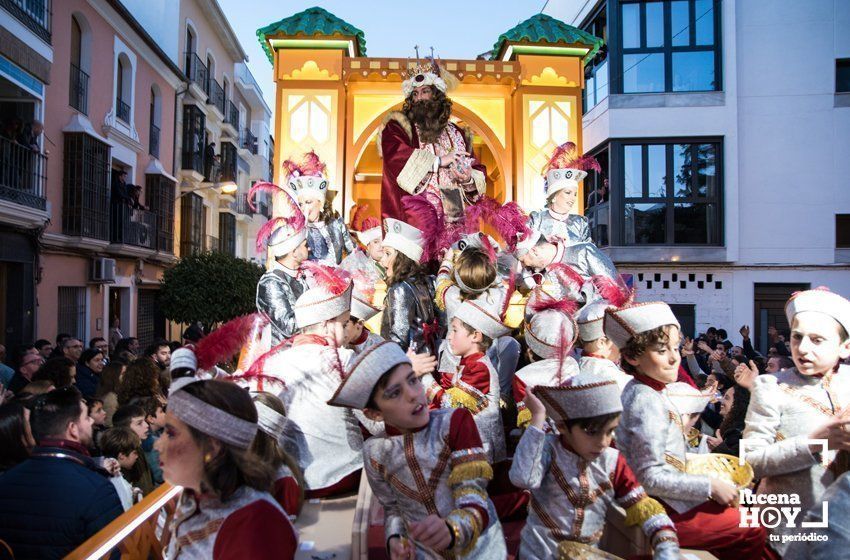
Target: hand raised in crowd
[
  {"x": 688, "y": 347},
  {"x": 422, "y": 363},
  {"x": 703, "y": 345},
  {"x": 745, "y": 375},
  {"x": 112, "y": 466},
  {"x": 401, "y": 549},
  {"x": 536, "y": 408},
  {"x": 431, "y": 532},
  {"x": 835, "y": 431},
  {"x": 723, "y": 493},
  {"x": 718, "y": 355},
  {"x": 715, "y": 440},
  {"x": 745, "y": 332}
]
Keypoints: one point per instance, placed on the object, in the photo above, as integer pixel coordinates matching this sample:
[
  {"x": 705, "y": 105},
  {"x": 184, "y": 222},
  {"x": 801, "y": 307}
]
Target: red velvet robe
[{"x": 397, "y": 146}]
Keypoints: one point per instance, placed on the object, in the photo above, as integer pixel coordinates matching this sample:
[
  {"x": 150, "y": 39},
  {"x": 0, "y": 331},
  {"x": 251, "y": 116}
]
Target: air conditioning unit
[{"x": 103, "y": 270}]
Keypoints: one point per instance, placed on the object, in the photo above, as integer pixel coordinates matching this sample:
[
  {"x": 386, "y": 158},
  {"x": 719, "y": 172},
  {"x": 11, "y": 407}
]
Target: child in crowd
[
  {"x": 362, "y": 310},
  {"x": 132, "y": 417},
  {"x": 474, "y": 385},
  {"x": 98, "y": 416},
  {"x": 410, "y": 318},
  {"x": 652, "y": 441},
  {"x": 270, "y": 448},
  {"x": 691, "y": 402},
  {"x": 154, "y": 408},
  {"x": 598, "y": 353},
  {"x": 430, "y": 471},
  {"x": 575, "y": 476},
  {"x": 309, "y": 371},
  {"x": 284, "y": 282},
  {"x": 327, "y": 237},
  {"x": 810, "y": 401},
  {"x": 122, "y": 444}
]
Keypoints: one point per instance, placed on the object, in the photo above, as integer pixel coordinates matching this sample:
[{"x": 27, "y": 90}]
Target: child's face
[
  {"x": 402, "y": 402},
  {"x": 140, "y": 427},
  {"x": 98, "y": 414},
  {"x": 311, "y": 206},
  {"x": 375, "y": 250},
  {"x": 157, "y": 422},
  {"x": 461, "y": 341},
  {"x": 690, "y": 420},
  {"x": 353, "y": 330},
  {"x": 127, "y": 461},
  {"x": 661, "y": 362},
  {"x": 815, "y": 343},
  {"x": 388, "y": 259},
  {"x": 589, "y": 445},
  {"x": 726, "y": 401}
]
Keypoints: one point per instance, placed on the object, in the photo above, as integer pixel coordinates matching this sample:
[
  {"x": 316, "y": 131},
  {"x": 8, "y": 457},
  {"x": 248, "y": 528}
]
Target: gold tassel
[
  {"x": 523, "y": 419},
  {"x": 442, "y": 288},
  {"x": 468, "y": 471},
  {"x": 459, "y": 493},
  {"x": 462, "y": 399},
  {"x": 638, "y": 513}
]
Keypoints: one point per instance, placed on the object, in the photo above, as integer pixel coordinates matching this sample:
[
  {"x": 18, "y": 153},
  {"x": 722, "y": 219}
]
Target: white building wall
[{"x": 161, "y": 19}]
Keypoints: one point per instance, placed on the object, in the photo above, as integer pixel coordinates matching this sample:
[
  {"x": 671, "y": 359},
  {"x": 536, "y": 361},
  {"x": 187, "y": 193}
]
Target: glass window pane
[
  {"x": 707, "y": 170},
  {"x": 590, "y": 91},
  {"x": 633, "y": 175},
  {"x": 842, "y": 75},
  {"x": 602, "y": 82},
  {"x": 643, "y": 73},
  {"x": 704, "y": 15},
  {"x": 657, "y": 170},
  {"x": 655, "y": 24},
  {"x": 631, "y": 26},
  {"x": 683, "y": 169},
  {"x": 693, "y": 223},
  {"x": 645, "y": 223},
  {"x": 680, "y": 23},
  {"x": 693, "y": 71}
]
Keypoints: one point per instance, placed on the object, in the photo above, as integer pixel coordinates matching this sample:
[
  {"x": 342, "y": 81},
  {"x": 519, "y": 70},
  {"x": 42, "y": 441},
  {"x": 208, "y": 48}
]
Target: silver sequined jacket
[
  {"x": 276, "y": 295},
  {"x": 417, "y": 474},
  {"x": 408, "y": 307},
  {"x": 574, "y": 229},
  {"x": 836, "y": 500},
  {"x": 328, "y": 242},
  {"x": 784, "y": 409},
  {"x": 570, "y": 497},
  {"x": 651, "y": 438}
]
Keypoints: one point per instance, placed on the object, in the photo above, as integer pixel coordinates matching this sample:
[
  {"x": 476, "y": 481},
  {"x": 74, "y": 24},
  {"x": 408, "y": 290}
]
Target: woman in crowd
[
  {"x": 140, "y": 380},
  {"x": 107, "y": 391},
  {"x": 16, "y": 439}
]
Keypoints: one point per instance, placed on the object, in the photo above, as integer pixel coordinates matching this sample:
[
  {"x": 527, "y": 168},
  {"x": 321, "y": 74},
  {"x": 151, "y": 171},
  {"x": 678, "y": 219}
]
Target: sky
[{"x": 392, "y": 28}]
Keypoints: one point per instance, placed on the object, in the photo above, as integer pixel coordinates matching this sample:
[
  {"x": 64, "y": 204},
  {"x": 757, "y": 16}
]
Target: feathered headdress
[
  {"x": 565, "y": 157},
  {"x": 430, "y": 220},
  {"x": 334, "y": 280},
  {"x": 293, "y": 217},
  {"x": 614, "y": 292},
  {"x": 224, "y": 342},
  {"x": 310, "y": 165},
  {"x": 507, "y": 219}
]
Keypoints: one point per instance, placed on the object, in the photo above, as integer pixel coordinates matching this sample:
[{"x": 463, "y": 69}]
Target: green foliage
[{"x": 209, "y": 287}]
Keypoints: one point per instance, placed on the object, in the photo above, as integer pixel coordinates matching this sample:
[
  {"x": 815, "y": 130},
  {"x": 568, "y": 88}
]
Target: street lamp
[{"x": 227, "y": 187}]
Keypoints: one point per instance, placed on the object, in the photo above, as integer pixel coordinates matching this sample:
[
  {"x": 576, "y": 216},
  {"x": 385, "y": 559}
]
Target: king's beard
[{"x": 430, "y": 117}]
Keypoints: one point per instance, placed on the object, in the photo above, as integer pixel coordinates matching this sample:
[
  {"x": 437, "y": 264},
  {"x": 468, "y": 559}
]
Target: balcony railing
[
  {"x": 22, "y": 174},
  {"x": 216, "y": 95},
  {"x": 130, "y": 226},
  {"x": 196, "y": 70},
  {"x": 122, "y": 110},
  {"x": 248, "y": 141},
  {"x": 79, "y": 90},
  {"x": 212, "y": 243},
  {"x": 232, "y": 116},
  {"x": 35, "y": 14},
  {"x": 241, "y": 206},
  {"x": 153, "y": 141}
]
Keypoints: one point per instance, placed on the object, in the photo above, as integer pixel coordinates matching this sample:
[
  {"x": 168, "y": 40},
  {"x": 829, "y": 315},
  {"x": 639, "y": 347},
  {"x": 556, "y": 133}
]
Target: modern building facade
[{"x": 724, "y": 148}]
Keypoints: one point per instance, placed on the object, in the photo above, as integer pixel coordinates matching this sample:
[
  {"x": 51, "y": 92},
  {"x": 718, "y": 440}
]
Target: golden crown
[{"x": 420, "y": 69}]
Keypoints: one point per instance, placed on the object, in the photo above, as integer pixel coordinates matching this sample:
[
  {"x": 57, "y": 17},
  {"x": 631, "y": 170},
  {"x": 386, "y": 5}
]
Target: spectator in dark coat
[
  {"x": 58, "y": 498},
  {"x": 89, "y": 369}
]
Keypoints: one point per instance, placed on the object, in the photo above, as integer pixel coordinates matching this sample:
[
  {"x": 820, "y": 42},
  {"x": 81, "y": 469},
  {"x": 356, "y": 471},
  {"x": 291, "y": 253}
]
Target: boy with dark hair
[
  {"x": 122, "y": 445},
  {"x": 575, "y": 476},
  {"x": 453, "y": 514},
  {"x": 652, "y": 439},
  {"x": 132, "y": 417},
  {"x": 154, "y": 408}
]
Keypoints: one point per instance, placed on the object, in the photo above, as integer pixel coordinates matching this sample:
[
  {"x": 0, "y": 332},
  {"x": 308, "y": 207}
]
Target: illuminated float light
[
  {"x": 345, "y": 44},
  {"x": 543, "y": 49}
]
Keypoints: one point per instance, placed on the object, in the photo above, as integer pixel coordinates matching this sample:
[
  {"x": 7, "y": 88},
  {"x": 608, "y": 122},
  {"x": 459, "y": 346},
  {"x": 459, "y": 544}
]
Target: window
[
  {"x": 227, "y": 233},
  {"x": 194, "y": 138},
  {"x": 150, "y": 322},
  {"x": 72, "y": 311},
  {"x": 192, "y": 224},
  {"x": 228, "y": 162},
  {"x": 79, "y": 79},
  {"x": 596, "y": 70},
  {"x": 670, "y": 193},
  {"x": 842, "y": 75},
  {"x": 842, "y": 231},
  {"x": 670, "y": 46},
  {"x": 160, "y": 199},
  {"x": 155, "y": 119},
  {"x": 686, "y": 315},
  {"x": 596, "y": 200},
  {"x": 85, "y": 200},
  {"x": 123, "y": 88},
  {"x": 769, "y": 307}
]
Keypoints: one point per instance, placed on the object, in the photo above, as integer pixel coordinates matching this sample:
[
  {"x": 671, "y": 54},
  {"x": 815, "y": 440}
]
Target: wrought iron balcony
[
  {"x": 79, "y": 90},
  {"x": 22, "y": 174},
  {"x": 232, "y": 115},
  {"x": 196, "y": 70},
  {"x": 35, "y": 14},
  {"x": 122, "y": 110},
  {"x": 212, "y": 243},
  {"x": 153, "y": 141},
  {"x": 241, "y": 206},
  {"x": 216, "y": 95},
  {"x": 248, "y": 141},
  {"x": 130, "y": 226}
]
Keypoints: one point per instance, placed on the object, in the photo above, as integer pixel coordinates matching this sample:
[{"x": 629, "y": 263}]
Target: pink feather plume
[
  {"x": 616, "y": 293},
  {"x": 511, "y": 288},
  {"x": 311, "y": 164},
  {"x": 566, "y": 274},
  {"x": 359, "y": 217},
  {"x": 335, "y": 280},
  {"x": 565, "y": 157},
  {"x": 224, "y": 342},
  {"x": 255, "y": 371},
  {"x": 507, "y": 219},
  {"x": 428, "y": 220},
  {"x": 265, "y": 232},
  {"x": 545, "y": 302},
  {"x": 488, "y": 248}
]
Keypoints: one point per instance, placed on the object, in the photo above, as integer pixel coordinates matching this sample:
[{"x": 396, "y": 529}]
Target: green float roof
[
  {"x": 557, "y": 35},
  {"x": 312, "y": 22}
]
